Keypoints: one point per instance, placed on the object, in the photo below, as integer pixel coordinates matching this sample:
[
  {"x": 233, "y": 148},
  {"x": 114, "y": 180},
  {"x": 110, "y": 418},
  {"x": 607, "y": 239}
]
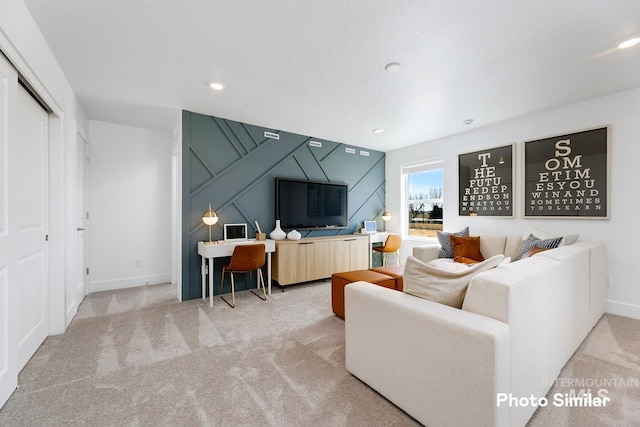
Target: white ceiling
[{"x": 317, "y": 67}]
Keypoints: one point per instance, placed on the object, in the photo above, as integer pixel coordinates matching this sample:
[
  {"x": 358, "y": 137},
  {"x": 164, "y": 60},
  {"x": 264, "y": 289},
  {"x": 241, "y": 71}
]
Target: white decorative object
[
  {"x": 294, "y": 235},
  {"x": 277, "y": 233}
]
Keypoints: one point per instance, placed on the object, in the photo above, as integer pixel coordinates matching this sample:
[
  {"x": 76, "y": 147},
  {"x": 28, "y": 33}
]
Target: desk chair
[
  {"x": 245, "y": 258},
  {"x": 391, "y": 244}
]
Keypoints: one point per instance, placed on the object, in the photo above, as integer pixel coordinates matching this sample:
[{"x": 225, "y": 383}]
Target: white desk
[
  {"x": 377, "y": 237},
  {"x": 225, "y": 249}
]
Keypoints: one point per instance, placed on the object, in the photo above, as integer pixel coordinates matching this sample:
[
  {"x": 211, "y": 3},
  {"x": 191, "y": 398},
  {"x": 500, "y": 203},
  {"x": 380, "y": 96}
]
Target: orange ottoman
[
  {"x": 395, "y": 271},
  {"x": 340, "y": 280}
]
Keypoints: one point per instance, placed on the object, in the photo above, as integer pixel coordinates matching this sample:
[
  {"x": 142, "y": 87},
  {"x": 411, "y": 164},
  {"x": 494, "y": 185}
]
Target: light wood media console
[{"x": 314, "y": 258}]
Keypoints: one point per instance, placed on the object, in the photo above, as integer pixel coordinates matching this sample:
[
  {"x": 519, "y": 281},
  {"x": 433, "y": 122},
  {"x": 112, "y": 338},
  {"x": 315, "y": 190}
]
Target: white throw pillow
[
  {"x": 447, "y": 264},
  {"x": 542, "y": 235},
  {"x": 567, "y": 239},
  {"x": 442, "y": 285}
]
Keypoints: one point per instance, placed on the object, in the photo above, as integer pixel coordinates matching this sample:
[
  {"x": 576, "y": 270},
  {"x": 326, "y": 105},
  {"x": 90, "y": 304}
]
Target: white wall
[
  {"x": 130, "y": 206},
  {"x": 620, "y": 111},
  {"x": 176, "y": 207}
]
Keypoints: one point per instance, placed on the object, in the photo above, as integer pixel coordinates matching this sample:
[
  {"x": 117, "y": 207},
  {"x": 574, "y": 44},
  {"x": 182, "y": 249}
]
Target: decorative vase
[
  {"x": 277, "y": 233},
  {"x": 294, "y": 235}
]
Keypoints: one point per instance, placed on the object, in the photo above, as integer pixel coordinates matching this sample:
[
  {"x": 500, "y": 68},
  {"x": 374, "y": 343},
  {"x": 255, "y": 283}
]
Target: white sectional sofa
[{"x": 518, "y": 326}]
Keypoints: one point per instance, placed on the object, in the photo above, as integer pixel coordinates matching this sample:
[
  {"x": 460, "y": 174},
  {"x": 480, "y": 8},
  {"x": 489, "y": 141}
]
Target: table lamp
[
  {"x": 386, "y": 216},
  {"x": 210, "y": 217}
]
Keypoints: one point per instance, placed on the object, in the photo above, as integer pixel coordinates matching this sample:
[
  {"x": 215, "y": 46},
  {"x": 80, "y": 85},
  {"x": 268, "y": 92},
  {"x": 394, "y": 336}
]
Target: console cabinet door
[
  {"x": 349, "y": 254},
  {"x": 339, "y": 256},
  {"x": 290, "y": 264},
  {"x": 317, "y": 261},
  {"x": 359, "y": 254}
]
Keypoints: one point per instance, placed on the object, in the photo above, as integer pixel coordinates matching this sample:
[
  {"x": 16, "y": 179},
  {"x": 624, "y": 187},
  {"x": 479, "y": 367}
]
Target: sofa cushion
[
  {"x": 533, "y": 241},
  {"x": 466, "y": 247},
  {"x": 446, "y": 247},
  {"x": 492, "y": 244},
  {"x": 511, "y": 247},
  {"x": 440, "y": 285}
]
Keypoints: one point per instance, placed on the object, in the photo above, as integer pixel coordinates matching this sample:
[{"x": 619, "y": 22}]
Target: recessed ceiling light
[
  {"x": 392, "y": 67},
  {"x": 468, "y": 122},
  {"x": 216, "y": 85},
  {"x": 629, "y": 43},
  {"x": 378, "y": 130}
]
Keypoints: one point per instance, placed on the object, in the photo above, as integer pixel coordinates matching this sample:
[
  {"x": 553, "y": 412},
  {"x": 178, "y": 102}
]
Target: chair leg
[
  {"x": 233, "y": 294},
  {"x": 384, "y": 259},
  {"x": 264, "y": 292},
  {"x": 398, "y": 258},
  {"x": 233, "y": 290}
]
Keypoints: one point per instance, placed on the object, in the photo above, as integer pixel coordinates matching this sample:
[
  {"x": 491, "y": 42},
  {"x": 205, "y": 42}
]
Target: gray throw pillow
[
  {"x": 446, "y": 247},
  {"x": 534, "y": 242}
]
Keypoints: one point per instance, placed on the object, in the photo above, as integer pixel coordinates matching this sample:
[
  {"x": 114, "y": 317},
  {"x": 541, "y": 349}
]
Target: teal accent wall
[{"x": 233, "y": 166}]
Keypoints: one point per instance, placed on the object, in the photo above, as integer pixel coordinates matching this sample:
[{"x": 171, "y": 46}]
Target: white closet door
[
  {"x": 81, "y": 247},
  {"x": 29, "y": 176},
  {"x": 8, "y": 260}
]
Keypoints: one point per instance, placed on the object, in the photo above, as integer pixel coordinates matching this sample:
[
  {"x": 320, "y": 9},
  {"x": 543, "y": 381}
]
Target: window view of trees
[{"x": 425, "y": 202}]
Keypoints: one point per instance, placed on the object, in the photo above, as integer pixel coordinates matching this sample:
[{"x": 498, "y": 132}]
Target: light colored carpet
[
  {"x": 608, "y": 359},
  {"x": 136, "y": 357}
]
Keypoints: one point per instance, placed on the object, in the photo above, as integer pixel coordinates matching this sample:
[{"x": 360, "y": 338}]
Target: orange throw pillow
[
  {"x": 534, "y": 250},
  {"x": 468, "y": 247},
  {"x": 465, "y": 260}
]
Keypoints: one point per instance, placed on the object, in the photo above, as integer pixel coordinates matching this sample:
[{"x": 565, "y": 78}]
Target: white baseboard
[
  {"x": 623, "y": 309},
  {"x": 128, "y": 282}
]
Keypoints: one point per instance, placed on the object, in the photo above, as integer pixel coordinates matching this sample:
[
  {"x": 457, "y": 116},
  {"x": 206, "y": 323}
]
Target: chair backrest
[
  {"x": 392, "y": 243},
  {"x": 247, "y": 257}
]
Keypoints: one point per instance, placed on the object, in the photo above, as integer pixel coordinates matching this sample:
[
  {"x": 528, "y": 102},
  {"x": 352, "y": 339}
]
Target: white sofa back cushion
[{"x": 490, "y": 245}]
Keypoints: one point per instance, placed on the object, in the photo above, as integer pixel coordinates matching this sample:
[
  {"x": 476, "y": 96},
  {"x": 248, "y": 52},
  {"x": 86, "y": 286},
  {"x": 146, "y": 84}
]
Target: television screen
[{"x": 308, "y": 205}]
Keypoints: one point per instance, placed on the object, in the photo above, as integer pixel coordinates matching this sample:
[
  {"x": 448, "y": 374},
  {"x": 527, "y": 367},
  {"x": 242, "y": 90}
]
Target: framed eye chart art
[
  {"x": 567, "y": 176},
  {"x": 485, "y": 182}
]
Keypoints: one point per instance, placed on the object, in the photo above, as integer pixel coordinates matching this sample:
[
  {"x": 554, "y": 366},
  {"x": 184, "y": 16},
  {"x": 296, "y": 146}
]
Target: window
[{"x": 423, "y": 196}]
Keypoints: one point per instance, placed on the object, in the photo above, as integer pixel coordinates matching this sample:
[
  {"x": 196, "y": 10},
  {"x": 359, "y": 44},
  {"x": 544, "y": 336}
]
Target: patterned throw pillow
[
  {"x": 567, "y": 239},
  {"x": 534, "y": 242},
  {"x": 446, "y": 247}
]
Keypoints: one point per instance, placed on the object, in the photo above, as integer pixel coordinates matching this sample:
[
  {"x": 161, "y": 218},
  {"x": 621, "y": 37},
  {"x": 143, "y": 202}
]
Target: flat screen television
[{"x": 311, "y": 205}]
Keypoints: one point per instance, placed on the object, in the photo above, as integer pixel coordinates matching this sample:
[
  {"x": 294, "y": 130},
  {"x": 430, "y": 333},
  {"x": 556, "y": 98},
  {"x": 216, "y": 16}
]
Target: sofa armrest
[
  {"x": 426, "y": 253},
  {"x": 427, "y": 357}
]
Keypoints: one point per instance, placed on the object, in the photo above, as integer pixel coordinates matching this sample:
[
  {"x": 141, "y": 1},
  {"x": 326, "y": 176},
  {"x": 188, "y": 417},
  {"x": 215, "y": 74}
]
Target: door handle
[{"x": 80, "y": 229}]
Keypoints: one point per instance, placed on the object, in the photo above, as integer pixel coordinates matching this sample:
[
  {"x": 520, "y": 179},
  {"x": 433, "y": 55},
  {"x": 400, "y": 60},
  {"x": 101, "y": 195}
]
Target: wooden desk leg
[
  {"x": 203, "y": 273},
  {"x": 269, "y": 271},
  {"x": 211, "y": 271}
]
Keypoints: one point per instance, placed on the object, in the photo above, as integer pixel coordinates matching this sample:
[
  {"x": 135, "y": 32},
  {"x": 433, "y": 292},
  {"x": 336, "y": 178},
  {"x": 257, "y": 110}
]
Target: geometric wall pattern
[{"x": 233, "y": 166}]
